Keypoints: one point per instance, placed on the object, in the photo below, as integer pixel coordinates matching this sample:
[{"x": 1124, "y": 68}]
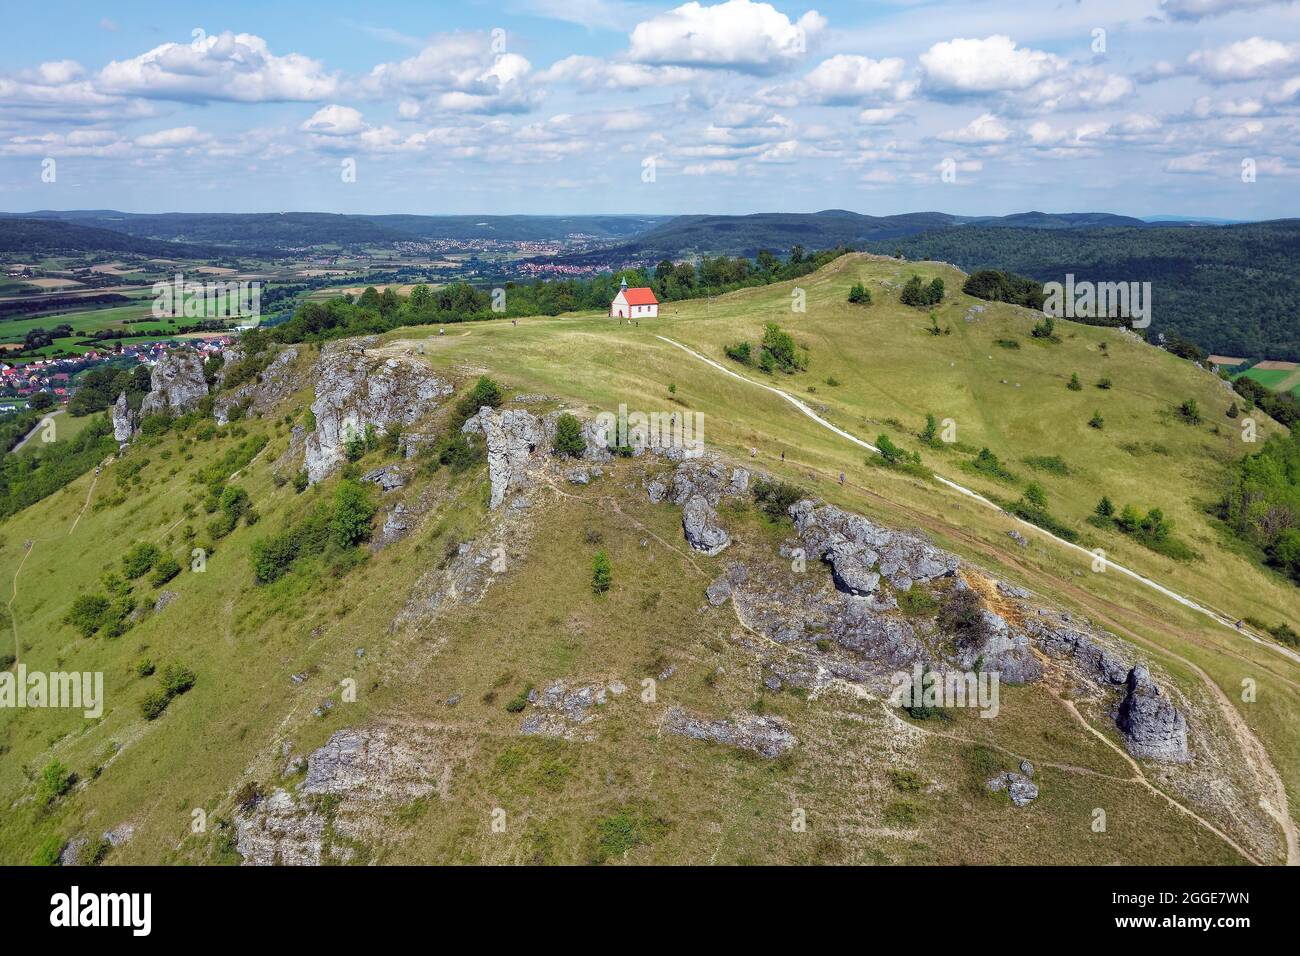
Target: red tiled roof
[{"x": 640, "y": 296}]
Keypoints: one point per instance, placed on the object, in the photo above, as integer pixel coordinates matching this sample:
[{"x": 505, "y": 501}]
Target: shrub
[
  {"x": 859, "y": 295},
  {"x": 176, "y": 679},
  {"x": 272, "y": 557},
  {"x": 87, "y": 613},
  {"x": 353, "y": 509},
  {"x": 144, "y": 667},
  {"x": 164, "y": 570},
  {"x": 153, "y": 704},
  {"x": 1054, "y": 464},
  {"x": 517, "y": 703},
  {"x": 1045, "y": 329},
  {"x": 987, "y": 463},
  {"x": 930, "y": 434},
  {"x": 775, "y": 497},
  {"x": 458, "y": 452},
  {"x": 139, "y": 559},
  {"x": 1096, "y": 421},
  {"x": 568, "y": 437},
  {"x": 919, "y": 294},
  {"x": 962, "y": 614},
  {"x": 907, "y": 781},
  {"x": 902, "y": 813},
  {"x": 1104, "y": 382},
  {"x": 1075, "y": 385},
  {"x": 300, "y": 481},
  {"x": 485, "y": 393},
  {"x": 779, "y": 345},
  {"x": 602, "y": 575},
  {"x": 894, "y": 455},
  {"x": 1190, "y": 412},
  {"x": 996, "y": 286},
  {"x": 740, "y": 352},
  {"x": 54, "y": 782}
]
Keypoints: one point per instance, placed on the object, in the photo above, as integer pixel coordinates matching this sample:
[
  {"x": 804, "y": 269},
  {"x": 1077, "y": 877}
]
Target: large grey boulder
[
  {"x": 356, "y": 391},
  {"x": 1151, "y": 725},
  {"x": 856, "y": 548},
  {"x": 1019, "y": 787},
  {"x": 123, "y": 420},
  {"x": 853, "y": 567},
  {"x": 700, "y": 525},
  {"x": 176, "y": 384},
  {"x": 513, "y": 438}
]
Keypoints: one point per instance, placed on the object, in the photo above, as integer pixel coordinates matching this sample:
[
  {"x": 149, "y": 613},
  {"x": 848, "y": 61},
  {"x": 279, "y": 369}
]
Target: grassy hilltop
[{"x": 876, "y": 788}]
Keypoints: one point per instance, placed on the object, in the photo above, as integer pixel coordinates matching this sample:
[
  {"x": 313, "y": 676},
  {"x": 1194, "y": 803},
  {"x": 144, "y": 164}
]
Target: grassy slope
[
  {"x": 891, "y": 368},
  {"x": 719, "y": 805},
  {"x": 711, "y": 804}
]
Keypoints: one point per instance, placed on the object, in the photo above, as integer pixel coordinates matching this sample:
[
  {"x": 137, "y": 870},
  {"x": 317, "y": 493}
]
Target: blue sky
[{"x": 1143, "y": 107}]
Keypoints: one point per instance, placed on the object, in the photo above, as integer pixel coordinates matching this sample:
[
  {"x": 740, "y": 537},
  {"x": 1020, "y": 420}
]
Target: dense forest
[
  {"x": 36, "y": 238},
  {"x": 1230, "y": 289}
]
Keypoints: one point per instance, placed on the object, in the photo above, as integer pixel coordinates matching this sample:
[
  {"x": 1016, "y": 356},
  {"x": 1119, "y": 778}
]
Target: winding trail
[{"x": 976, "y": 496}]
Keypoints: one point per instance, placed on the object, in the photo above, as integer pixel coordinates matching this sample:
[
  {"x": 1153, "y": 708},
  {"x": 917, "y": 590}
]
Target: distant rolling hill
[
  {"x": 40, "y": 237},
  {"x": 746, "y": 235},
  {"x": 302, "y": 229}
]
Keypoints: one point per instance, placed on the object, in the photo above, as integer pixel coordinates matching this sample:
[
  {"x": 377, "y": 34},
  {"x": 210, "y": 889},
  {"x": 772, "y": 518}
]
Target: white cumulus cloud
[{"x": 737, "y": 35}]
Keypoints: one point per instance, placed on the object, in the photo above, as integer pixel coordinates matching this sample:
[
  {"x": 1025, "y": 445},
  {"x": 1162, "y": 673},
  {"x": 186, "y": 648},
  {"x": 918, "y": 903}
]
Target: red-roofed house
[{"x": 637, "y": 303}]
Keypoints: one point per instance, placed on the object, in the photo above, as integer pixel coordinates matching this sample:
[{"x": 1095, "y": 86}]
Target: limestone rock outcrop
[
  {"x": 275, "y": 383},
  {"x": 123, "y": 420},
  {"x": 512, "y": 437},
  {"x": 355, "y": 392},
  {"x": 1151, "y": 725},
  {"x": 701, "y": 527},
  {"x": 857, "y": 549},
  {"x": 769, "y": 736},
  {"x": 176, "y": 384}
]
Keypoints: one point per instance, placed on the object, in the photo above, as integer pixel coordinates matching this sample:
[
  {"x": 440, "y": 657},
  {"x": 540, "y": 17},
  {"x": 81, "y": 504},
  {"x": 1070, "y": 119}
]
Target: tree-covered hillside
[{"x": 1231, "y": 289}]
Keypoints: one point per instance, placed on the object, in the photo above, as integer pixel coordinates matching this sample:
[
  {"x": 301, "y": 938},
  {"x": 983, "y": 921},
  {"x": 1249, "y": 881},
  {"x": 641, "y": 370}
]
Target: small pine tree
[
  {"x": 931, "y": 430},
  {"x": 1035, "y": 495},
  {"x": 568, "y": 436},
  {"x": 1232, "y": 410},
  {"x": 1096, "y": 421},
  {"x": 1105, "y": 508},
  {"x": 1075, "y": 385},
  {"x": 859, "y": 295},
  {"x": 602, "y": 575}
]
